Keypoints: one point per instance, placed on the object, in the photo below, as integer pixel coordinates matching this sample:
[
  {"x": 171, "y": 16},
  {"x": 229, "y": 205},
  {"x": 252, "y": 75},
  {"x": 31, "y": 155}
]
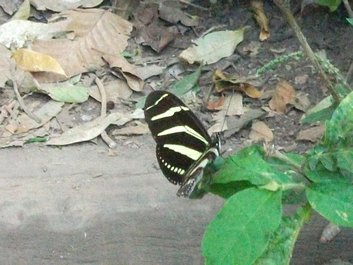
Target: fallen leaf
[
  {"x": 219, "y": 126},
  {"x": 44, "y": 112},
  {"x": 301, "y": 101},
  {"x": 85, "y": 53},
  {"x": 136, "y": 129},
  {"x": 149, "y": 30},
  {"x": 235, "y": 123},
  {"x": 86, "y": 131},
  {"x": 114, "y": 89},
  {"x": 234, "y": 105},
  {"x": 284, "y": 95},
  {"x": 32, "y": 61},
  {"x": 148, "y": 71},
  {"x": 65, "y": 92},
  {"x": 209, "y": 49},
  {"x": 15, "y": 33},
  {"x": 312, "y": 134},
  {"x": 61, "y": 5},
  {"x": 171, "y": 11},
  {"x": 261, "y": 18},
  {"x": 260, "y": 132},
  {"x": 223, "y": 82},
  {"x": 217, "y": 104}
]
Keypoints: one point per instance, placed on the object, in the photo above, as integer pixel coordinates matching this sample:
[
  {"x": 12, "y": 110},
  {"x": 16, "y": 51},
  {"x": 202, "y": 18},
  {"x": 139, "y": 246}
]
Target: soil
[{"x": 82, "y": 205}]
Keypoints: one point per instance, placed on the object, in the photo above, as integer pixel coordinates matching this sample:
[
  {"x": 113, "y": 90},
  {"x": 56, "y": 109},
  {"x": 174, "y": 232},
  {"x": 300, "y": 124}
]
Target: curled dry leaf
[
  {"x": 226, "y": 82},
  {"x": 217, "y": 104},
  {"x": 115, "y": 90},
  {"x": 32, "y": 61},
  {"x": 284, "y": 95},
  {"x": 136, "y": 129},
  {"x": 209, "y": 49},
  {"x": 260, "y": 132},
  {"x": 261, "y": 18}
]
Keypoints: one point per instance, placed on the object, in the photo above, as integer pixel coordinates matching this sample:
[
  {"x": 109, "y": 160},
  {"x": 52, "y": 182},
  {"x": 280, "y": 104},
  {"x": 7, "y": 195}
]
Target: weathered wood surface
[{"x": 78, "y": 205}]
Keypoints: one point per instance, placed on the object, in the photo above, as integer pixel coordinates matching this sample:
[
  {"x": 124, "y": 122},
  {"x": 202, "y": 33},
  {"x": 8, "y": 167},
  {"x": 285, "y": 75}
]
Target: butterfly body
[{"x": 184, "y": 147}]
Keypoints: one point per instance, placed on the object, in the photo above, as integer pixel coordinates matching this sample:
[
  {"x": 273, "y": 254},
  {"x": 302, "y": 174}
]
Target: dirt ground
[{"x": 81, "y": 205}]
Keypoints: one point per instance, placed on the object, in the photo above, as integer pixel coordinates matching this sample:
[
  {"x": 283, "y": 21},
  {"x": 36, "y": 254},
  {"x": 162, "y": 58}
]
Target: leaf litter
[{"x": 65, "y": 48}]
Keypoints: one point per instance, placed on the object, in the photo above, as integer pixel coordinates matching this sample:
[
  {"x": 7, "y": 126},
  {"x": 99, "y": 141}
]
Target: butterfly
[{"x": 184, "y": 147}]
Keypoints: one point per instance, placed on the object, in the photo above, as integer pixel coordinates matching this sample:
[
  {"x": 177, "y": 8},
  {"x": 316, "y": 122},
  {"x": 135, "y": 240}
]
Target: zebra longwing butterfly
[{"x": 184, "y": 147}]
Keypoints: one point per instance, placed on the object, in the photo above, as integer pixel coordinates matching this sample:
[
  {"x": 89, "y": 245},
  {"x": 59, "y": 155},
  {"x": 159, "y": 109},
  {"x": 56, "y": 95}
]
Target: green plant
[{"x": 256, "y": 182}]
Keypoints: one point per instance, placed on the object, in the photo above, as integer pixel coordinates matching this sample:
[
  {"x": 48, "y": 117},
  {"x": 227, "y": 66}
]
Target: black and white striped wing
[{"x": 181, "y": 138}]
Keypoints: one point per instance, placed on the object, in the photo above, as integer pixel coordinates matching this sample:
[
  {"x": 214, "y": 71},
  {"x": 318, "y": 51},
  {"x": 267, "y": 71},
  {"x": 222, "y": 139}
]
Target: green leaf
[
  {"x": 241, "y": 231},
  {"x": 229, "y": 189},
  {"x": 320, "y": 112},
  {"x": 249, "y": 165},
  {"x": 66, "y": 92},
  {"x": 350, "y": 21},
  {"x": 331, "y": 4},
  {"x": 179, "y": 88},
  {"x": 333, "y": 200},
  {"x": 339, "y": 130},
  {"x": 187, "y": 83},
  {"x": 279, "y": 250}
]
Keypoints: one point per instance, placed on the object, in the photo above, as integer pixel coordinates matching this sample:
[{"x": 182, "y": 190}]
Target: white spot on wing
[{"x": 156, "y": 102}]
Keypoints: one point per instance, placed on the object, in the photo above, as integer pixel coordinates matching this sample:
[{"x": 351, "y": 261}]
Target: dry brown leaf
[
  {"x": 261, "y": 18},
  {"x": 284, "y": 95},
  {"x": 225, "y": 82},
  {"x": 234, "y": 105},
  {"x": 128, "y": 70},
  {"x": 61, "y": 5},
  {"x": 312, "y": 134},
  {"x": 217, "y": 104},
  {"x": 115, "y": 90},
  {"x": 23, "y": 11},
  {"x": 32, "y": 61},
  {"x": 250, "y": 90},
  {"x": 260, "y": 132},
  {"x": 85, "y": 53}
]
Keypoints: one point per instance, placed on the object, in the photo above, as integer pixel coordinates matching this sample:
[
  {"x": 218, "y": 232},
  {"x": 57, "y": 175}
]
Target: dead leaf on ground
[
  {"x": 85, "y": 53},
  {"x": 23, "y": 11},
  {"x": 33, "y": 61},
  {"x": 284, "y": 95},
  {"x": 312, "y": 134},
  {"x": 260, "y": 132},
  {"x": 234, "y": 104},
  {"x": 136, "y": 129},
  {"x": 301, "y": 101},
  {"x": 209, "y": 49},
  {"x": 61, "y": 5},
  {"x": 86, "y": 131},
  {"x": 223, "y": 82},
  {"x": 65, "y": 92},
  {"x": 171, "y": 11},
  {"x": 235, "y": 123},
  {"x": 217, "y": 104},
  {"x": 45, "y": 112},
  {"x": 261, "y": 18},
  {"x": 149, "y": 30},
  {"x": 114, "y": 89}
]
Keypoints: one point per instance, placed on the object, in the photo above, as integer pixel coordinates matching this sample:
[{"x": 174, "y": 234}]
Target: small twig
[
  {"x": 348, "y": 8},
  {"x": 283, "y": 5},
  {"x": 22, "y": 104},
  {"x": 109, "y": 141},
  {"x": 349, "y": 73}
]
